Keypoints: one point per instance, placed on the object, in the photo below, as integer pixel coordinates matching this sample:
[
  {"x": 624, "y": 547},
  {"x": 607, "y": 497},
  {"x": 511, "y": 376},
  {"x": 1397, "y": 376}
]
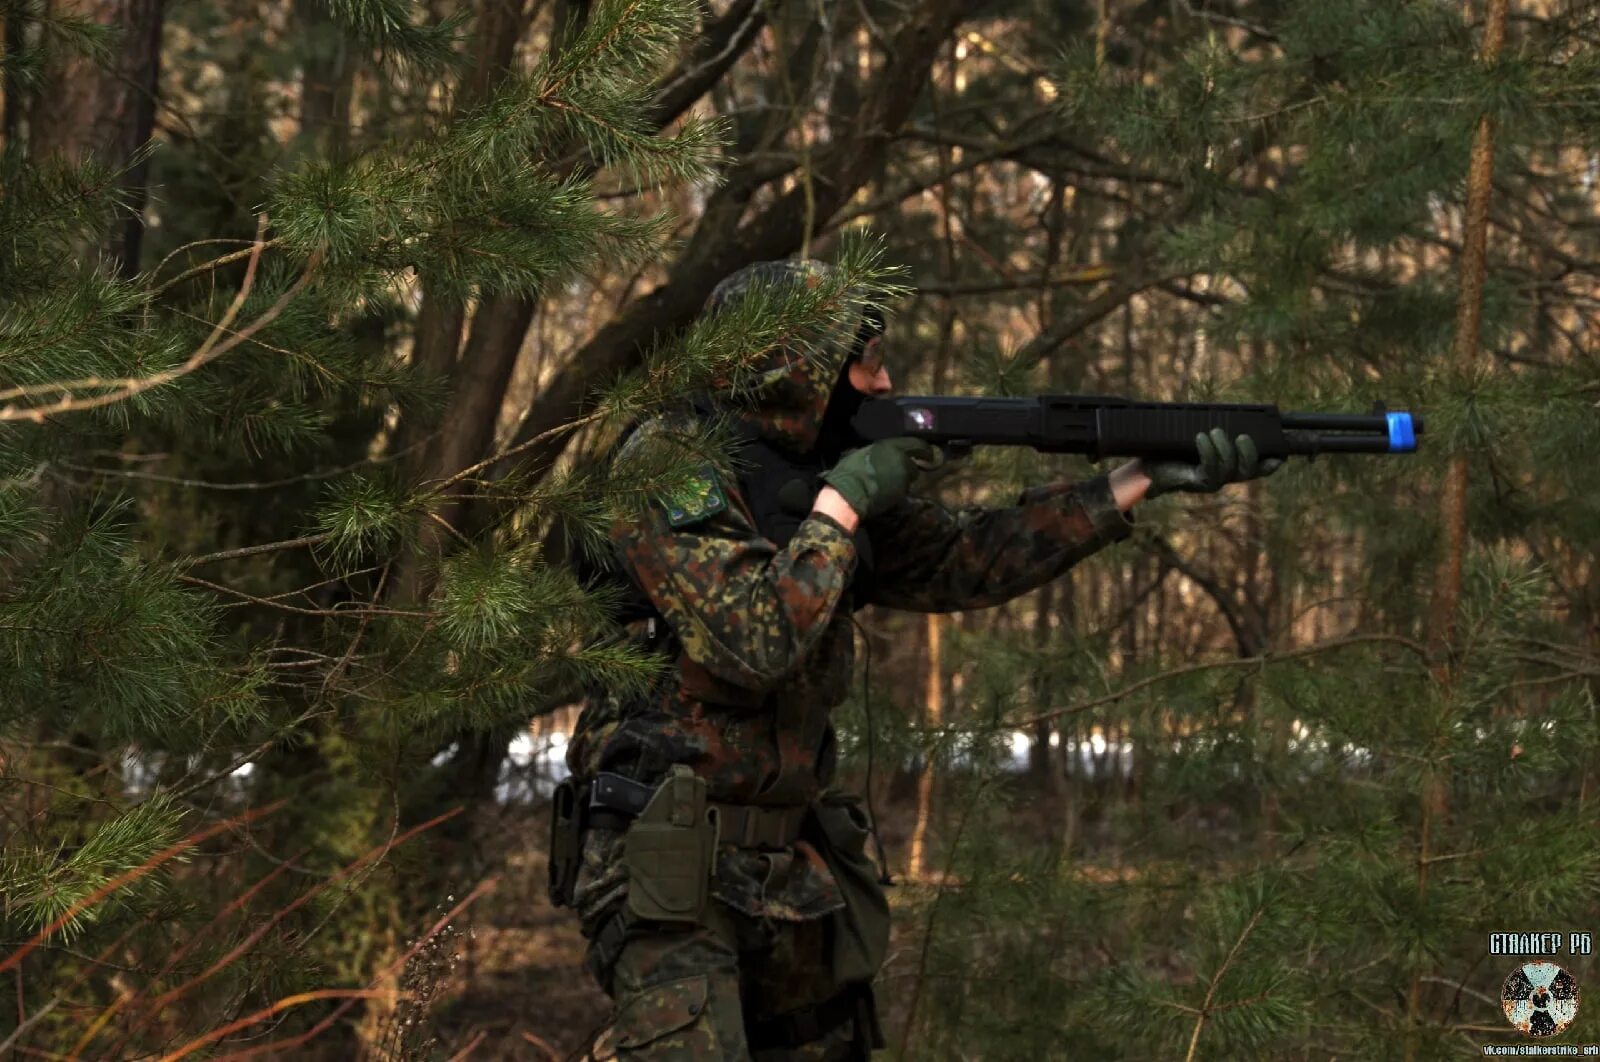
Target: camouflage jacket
[{"x": 762, "y": 637}]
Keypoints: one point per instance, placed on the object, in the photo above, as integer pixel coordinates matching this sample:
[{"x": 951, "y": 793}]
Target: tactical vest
[{"x": 780, "y": 490}]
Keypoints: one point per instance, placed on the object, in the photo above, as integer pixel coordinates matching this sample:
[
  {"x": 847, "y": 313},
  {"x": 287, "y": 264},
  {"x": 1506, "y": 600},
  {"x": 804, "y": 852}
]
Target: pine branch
[
  {"x": 1414, "y": 646},
  {"x": 1205, "y": 1010},
  {"x": 371, "y": 857},
  {"x": 266, "y": 547},
  {"x": 253, "y": 252},
  {"x": 129, "y": 876},
  {"x": 388, "y": 24},
  {"x": 279, "y": 605},
  {"x": 213, "y": 347}
]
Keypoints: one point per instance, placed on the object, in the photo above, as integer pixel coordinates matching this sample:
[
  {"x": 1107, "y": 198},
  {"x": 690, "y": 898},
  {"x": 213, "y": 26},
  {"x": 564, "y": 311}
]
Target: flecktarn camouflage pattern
[{"x": 763, "y": 652}]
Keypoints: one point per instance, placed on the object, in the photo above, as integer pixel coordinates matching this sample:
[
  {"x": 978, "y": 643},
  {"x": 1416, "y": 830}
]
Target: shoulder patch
[{"x": 700, "y": 499}]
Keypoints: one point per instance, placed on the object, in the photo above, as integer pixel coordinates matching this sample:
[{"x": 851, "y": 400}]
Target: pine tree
[
  {"x": 220, "y": 642},
  {"x": 1292, "y": 175},
  {"x": 274, "y": 600}
]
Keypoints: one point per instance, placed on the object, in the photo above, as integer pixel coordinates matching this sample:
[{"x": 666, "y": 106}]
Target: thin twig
[
  {"x": 123, "y": 1001},
  {"x": 1229, "y": 20},
  {"x": 933, "y": 913},
  {"x": 1248, "y": 661},
  {"x": 216, "y": 776},
  {"x": 192, "y": 244},
  {"x": 286, "y": 1003},
  {"x": 355, "y": 642},
  {"x": 24, "y": 1026},
  {"x": 195, "y": 360},
  {"x": 559, "y": 429},
  {"x": 295, "y": 608},
  {"x": 268, "y": 484},
  {"x": 448, "y": 526},
  {"x": 484, "y": 888},
  {"x": 215, "y": 263},
  {"x": 371, "y": 856},
  {"x": 265, "y": 547},
  {"x": 1216, "y": 979},
  {"x": 214, "y": 347},
  {"x": 541, "y": 1044},
  {"x": 472, "y": 1044}
]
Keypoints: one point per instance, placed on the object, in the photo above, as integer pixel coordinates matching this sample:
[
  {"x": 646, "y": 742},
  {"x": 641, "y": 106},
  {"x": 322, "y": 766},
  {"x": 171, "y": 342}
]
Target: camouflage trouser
[{"x": 683, "y": 994}]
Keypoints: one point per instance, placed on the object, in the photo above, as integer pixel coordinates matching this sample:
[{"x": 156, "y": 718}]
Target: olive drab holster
[
  {"x": 670, "y": 851},
  {"x": 566, "y": 842}
]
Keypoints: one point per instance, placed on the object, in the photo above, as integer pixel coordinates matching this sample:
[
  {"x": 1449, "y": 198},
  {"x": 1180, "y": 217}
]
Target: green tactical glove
[
  {"x": 875, "y": 478},
  {"x": 1221, "y": 462}
]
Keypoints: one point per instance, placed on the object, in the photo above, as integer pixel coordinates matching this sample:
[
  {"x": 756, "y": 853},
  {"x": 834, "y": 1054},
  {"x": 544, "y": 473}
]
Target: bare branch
[{"x": 214, "y": 347}]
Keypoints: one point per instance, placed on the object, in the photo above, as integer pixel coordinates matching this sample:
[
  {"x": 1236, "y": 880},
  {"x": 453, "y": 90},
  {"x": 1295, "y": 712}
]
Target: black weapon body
[{"x": 1101, "y": 426}]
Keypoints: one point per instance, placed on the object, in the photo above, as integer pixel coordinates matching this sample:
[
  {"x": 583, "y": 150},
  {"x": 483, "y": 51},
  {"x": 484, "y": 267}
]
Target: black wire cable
[{"x": 866, "y": 707}]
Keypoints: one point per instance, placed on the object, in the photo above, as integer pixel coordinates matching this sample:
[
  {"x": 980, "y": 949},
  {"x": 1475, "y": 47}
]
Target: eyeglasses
[{"x": 872, "y": 355}]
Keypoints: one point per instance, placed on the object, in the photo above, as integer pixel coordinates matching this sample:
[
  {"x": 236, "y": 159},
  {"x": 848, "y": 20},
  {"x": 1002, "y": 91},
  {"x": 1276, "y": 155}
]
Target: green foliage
[
  {"x": 164, "y": 657},
  {"x": 724, "y": 349},
  {"x": 54, "y": 32},
  {"x": 97, "y": 639},
  {"x": 488, "y": 203},
  {"x": 44, "y": 886},
  {"x": 50, "y": 204},
  {"x": 1250, "y": 887},
  {"x": 1295, "y": 843},
  {"x": 391, "y": 25},
  {"x": 364, "y": 515}
]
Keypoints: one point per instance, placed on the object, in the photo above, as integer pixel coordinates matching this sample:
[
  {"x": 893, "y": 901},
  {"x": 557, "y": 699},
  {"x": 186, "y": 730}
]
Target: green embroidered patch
[{"x": 702, "y": 497}]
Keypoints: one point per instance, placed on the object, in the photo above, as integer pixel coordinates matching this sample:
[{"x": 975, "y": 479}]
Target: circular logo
[{"x": 1540, "y": 998}]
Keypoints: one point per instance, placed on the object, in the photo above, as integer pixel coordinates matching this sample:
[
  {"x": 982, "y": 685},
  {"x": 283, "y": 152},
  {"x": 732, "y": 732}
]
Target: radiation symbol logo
[{"x": 1540, "y": 998}]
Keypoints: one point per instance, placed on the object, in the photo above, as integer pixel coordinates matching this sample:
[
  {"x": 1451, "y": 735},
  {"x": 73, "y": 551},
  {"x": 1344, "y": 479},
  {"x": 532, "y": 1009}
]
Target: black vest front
[{"x": 780, "y": 489}]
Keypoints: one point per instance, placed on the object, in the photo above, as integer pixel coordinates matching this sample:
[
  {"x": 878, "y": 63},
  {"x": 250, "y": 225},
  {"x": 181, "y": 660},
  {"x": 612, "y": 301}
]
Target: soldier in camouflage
[{"x": 731, "y": 909}]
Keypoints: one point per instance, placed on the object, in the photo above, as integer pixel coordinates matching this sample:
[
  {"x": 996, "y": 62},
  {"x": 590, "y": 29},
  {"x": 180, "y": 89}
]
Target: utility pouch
[
  {"x": 566, "y": 843},
  {"x": 860, "y": 936},
  {"x": 669, "y": 851}
]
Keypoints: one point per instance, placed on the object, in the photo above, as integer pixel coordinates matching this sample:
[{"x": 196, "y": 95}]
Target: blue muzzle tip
[{"x": 1402, "y": 439}]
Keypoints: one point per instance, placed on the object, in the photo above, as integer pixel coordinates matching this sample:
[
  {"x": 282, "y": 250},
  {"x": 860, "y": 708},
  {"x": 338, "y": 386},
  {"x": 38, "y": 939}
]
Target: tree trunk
[
  {"x": 467, "y": 429},
  {"x": 483, "y": 371},
  {"x": 1039, "y": 757},
  {"x": 933, "y": 718},
  {"x": 435, "y": 344},
  {"x": 436, "y": 340},
  {"x": 478, "y": 377},
  {"x": 15, "y": 40},
  {"x": 86, "y": 110},
  {"x": 1453, "y": 502},
  {"x": 326, "y": 78}
]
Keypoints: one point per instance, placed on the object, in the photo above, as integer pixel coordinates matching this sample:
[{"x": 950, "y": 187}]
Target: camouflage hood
[{"x": 792, "y": 383}]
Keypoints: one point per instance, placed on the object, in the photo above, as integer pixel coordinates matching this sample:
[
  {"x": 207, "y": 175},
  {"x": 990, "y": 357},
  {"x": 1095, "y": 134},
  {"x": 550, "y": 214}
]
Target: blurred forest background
[{"x": 316, "y": 317}]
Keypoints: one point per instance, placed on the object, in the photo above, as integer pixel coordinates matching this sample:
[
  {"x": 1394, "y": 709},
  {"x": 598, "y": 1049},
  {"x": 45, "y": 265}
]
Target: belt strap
[
  {"x": 744, "y": 825},
  {"x": 751, "y": 827}
]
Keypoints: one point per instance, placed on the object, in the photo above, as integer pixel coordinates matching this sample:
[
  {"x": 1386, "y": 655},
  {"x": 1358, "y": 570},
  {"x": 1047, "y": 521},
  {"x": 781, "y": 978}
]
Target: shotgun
[{"x": 1101, "y": 426}]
